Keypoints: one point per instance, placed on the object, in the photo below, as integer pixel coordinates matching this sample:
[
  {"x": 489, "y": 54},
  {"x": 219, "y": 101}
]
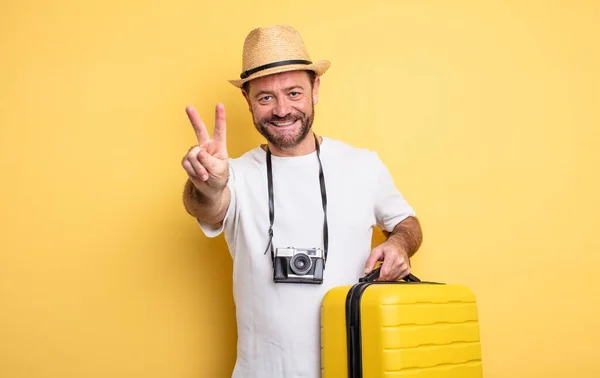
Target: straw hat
[{"x": 274, "y": 49}]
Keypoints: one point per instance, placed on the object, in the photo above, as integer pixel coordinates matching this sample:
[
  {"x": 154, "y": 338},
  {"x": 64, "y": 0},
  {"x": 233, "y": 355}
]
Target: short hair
[{"x": 311, "y": 77}]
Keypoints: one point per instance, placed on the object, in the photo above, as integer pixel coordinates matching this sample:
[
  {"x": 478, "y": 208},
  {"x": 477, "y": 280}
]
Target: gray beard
[{"x": 289, "y": 141}]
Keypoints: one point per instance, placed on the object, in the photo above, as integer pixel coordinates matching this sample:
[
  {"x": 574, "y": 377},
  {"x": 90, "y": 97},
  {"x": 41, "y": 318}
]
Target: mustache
[{"x": 292, "y": 117}]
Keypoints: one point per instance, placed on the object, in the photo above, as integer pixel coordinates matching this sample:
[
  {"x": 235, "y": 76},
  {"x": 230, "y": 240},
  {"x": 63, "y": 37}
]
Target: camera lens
[{"x": 300, "y": 264}]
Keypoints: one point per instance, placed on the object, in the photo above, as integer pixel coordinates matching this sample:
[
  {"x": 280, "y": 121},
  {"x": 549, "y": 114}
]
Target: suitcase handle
[{"x": 375, "y": 274}]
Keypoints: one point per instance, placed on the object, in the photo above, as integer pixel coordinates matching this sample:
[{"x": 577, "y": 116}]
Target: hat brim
[{"x": 319, "y": 68}]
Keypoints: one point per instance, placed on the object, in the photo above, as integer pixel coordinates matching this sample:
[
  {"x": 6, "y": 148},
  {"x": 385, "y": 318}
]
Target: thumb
[
  {"x": 208, "y": 161},
  {"x": 375, "y": 256}
]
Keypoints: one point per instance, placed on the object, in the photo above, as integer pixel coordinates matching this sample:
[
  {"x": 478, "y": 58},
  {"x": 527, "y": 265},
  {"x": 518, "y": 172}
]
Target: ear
[{"x": 315, "y": 91}]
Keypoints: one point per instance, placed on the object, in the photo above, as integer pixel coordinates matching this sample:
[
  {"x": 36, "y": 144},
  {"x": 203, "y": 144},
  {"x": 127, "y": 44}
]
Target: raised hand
[{"x": 207, "y": 163}]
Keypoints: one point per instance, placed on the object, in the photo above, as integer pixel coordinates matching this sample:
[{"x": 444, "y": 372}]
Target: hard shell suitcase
[{"x": 400, "y": 329}]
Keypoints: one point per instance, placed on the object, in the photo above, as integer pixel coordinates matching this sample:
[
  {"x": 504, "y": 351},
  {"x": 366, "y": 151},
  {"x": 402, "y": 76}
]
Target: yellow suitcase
[{"x": 402, "y": 329}]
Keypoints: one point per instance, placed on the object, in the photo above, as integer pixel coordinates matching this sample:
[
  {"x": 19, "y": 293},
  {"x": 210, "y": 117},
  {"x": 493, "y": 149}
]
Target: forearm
[
  {"x": 408, "y": 235},
  {"x": 207, "y": 208}
]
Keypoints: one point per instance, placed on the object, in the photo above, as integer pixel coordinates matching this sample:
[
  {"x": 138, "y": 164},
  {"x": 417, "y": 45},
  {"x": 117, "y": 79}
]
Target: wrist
[
  {"x": 397, "y": 241},
  {"x": 206, "y": 196}
]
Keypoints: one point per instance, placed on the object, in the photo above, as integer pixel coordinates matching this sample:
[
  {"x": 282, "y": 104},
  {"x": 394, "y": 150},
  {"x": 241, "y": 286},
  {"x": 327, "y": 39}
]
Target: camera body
[{"x": 298, "y": 265}]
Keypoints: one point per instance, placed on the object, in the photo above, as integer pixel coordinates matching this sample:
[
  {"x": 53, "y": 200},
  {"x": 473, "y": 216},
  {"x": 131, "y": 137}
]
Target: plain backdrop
[{"x": 486, "y": 114}]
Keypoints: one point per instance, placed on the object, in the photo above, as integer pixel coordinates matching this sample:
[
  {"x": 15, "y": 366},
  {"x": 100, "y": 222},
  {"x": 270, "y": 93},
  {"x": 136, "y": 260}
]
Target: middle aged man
[{"x": 298, "y": 213}]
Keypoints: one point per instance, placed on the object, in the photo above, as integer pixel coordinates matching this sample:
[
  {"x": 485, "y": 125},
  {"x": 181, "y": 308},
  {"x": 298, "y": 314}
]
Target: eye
[
  {"x": 294, "y": 94},
  {"x": 264, "y": 98}
]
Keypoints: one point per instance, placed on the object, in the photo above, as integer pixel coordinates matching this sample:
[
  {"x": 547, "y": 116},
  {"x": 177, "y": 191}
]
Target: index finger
[
  {"x": 199, "y": 127},
  {"x": 220, "y": 133},
  {"x": 386, "y": 270}
]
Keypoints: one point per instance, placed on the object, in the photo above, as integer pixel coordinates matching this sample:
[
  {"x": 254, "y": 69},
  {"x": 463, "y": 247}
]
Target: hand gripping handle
[{"x": 375, "y": 274}]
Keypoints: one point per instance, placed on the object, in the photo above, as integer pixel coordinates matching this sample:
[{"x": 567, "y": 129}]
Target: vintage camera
[{"x": 298, "y": 265}]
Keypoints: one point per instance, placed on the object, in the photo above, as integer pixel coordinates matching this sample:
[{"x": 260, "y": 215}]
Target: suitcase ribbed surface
[
  {"x": 415, "y": 330},
  {"x": 420, "y": 331}
]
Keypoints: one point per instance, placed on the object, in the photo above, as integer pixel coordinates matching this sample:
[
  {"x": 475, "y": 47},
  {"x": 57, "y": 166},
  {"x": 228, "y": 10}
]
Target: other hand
[
  {"x": 207, "y": 163},
  {"x": 396, "y": 264}
]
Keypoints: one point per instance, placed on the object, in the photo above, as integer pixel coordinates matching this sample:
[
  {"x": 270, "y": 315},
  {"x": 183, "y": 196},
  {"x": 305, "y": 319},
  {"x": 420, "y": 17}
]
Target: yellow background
[{"x": 486, "y": 113}]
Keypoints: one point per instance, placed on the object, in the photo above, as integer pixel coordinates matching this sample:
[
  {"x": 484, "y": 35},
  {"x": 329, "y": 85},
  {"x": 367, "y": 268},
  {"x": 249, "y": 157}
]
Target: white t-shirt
[{"x": 279, "y": 323}]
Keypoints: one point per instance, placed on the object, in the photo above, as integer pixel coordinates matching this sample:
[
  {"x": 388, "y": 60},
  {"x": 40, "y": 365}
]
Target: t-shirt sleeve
[
  {"x": 212, "y": 231},
  {"x": 390, "y": 206}
]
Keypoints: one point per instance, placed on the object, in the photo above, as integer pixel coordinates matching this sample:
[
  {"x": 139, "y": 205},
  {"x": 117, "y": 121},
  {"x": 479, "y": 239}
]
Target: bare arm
[
  {"x": 402, "y": 243},
  {"x": 207, "y": 209},
  {"x": 408, "y": 235}
]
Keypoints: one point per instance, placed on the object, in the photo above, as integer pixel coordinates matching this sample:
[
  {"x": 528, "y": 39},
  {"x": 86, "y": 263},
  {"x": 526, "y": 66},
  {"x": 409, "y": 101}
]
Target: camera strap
[{"x": 272, "y": 203}]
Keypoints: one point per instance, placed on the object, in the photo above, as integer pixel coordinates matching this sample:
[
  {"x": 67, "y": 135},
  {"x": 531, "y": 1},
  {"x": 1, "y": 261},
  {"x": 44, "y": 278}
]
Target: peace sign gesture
[{"x": 207, "y": 163}]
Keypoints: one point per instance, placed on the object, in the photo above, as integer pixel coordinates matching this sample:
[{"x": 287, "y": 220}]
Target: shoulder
[
  {"x": 246, "y": 165},
  {"x": 251, "y": 158},
  {"x": 344, "y": 153}
]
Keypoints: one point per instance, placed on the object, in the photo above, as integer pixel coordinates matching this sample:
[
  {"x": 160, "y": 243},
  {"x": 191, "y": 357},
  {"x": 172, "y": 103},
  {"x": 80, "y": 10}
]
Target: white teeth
[{"x": 283, "y": 123}]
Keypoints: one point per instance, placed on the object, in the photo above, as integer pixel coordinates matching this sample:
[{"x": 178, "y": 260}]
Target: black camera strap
[{"x": 272, "y": 203}]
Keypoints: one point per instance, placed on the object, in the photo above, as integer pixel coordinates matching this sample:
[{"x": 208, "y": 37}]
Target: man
[{"x": 300, "y": 193}]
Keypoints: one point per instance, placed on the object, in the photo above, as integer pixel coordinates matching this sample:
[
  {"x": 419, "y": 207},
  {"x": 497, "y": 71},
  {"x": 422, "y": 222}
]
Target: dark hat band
[{"x": 247, "y": 73}]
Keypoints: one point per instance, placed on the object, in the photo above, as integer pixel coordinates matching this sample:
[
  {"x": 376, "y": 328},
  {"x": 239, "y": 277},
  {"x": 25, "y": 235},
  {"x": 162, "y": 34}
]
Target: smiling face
[{"x": 282, "y": 107}]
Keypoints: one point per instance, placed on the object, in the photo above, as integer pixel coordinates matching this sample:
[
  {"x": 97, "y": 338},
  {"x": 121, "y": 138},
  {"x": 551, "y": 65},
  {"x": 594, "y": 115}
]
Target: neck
[{"x": 305, "y": 147}]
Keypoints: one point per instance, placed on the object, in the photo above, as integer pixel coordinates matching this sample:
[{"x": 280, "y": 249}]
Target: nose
[{"x": 281, "y": 108}]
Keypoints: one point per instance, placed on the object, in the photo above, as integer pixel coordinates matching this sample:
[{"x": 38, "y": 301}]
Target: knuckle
[
  {"x": 200, "y": 155},
  {"x": 199, "y": 168},
  {"x": 189, "y": 170}
]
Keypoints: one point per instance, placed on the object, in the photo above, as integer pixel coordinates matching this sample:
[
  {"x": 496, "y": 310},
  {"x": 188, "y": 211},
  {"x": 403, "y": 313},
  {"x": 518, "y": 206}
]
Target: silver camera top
[{"x": 291, "y": 251}]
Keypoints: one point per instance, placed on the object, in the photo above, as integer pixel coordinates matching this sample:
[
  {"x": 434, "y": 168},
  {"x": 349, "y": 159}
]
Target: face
[{"x": 282, "y": 106}]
